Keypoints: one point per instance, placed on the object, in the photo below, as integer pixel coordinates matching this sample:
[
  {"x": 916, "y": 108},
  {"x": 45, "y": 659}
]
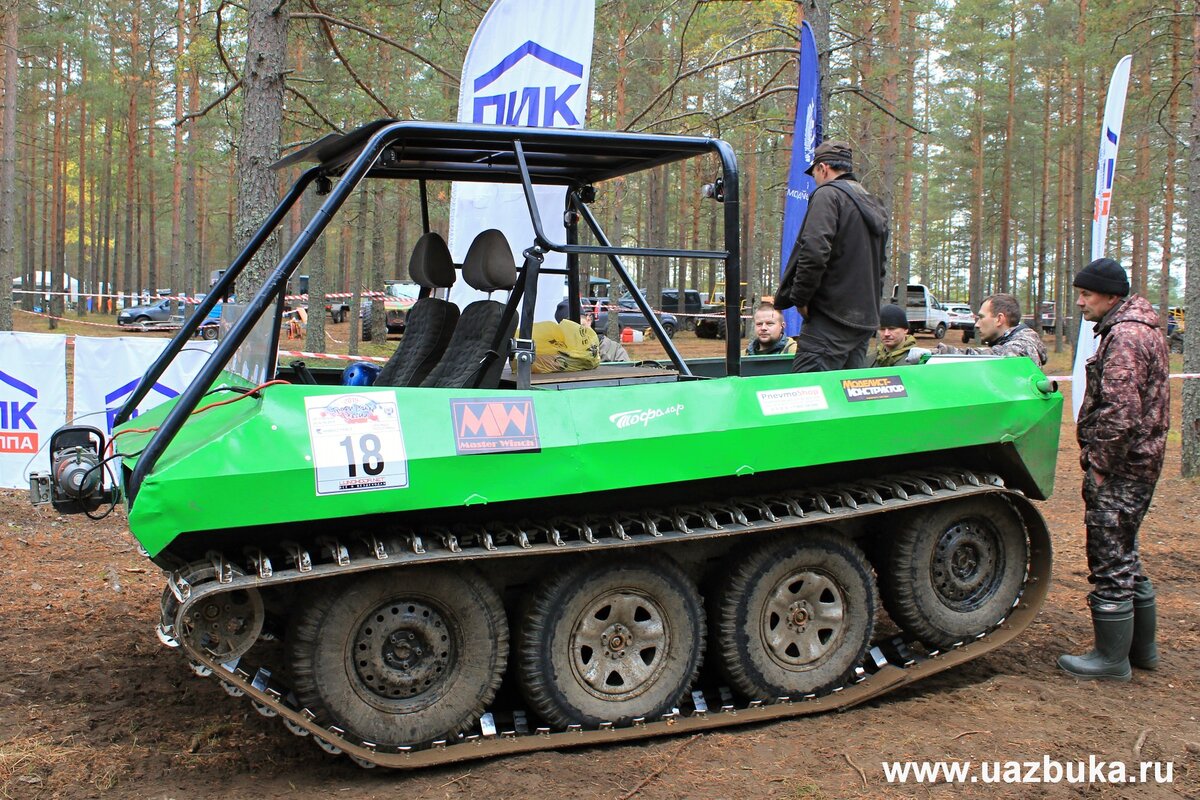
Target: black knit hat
[
  {"x": 892, "y": 316},
  {"x": 1105, "y": 276}
]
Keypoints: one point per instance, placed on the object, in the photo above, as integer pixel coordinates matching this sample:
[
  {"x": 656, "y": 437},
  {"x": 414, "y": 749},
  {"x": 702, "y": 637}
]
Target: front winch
[{"x": 75, "y": 483}]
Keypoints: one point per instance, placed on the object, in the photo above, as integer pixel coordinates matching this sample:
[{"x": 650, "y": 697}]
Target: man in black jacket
[{"x": 834, "y": 275}]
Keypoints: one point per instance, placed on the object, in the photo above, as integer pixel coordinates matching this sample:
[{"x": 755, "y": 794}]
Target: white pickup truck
[{"x": 924, "y": 312}]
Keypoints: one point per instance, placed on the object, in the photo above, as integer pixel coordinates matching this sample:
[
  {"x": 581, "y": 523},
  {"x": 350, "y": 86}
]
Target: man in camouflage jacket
[
  {"x": 1002, "y": 332},
  {"x": 1122, "y": 432}
]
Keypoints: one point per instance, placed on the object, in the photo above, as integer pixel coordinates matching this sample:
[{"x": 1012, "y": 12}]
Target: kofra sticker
[{"x": 357, "y": 445}]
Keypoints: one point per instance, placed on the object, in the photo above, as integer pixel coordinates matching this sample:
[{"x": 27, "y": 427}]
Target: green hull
[{"x": 250, "y": 463}]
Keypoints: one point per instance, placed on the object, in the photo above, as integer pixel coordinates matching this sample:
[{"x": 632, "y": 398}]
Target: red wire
[{"x": 255, "y": 390}]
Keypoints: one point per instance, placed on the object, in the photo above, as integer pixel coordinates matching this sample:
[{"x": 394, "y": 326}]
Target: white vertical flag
[
  {"x": 527, "y": 65},
  {"x": 1106, "y": 168}
]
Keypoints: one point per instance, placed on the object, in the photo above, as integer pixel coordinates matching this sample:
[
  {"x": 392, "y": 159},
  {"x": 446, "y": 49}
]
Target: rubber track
[{"x": 734, "y": 517}]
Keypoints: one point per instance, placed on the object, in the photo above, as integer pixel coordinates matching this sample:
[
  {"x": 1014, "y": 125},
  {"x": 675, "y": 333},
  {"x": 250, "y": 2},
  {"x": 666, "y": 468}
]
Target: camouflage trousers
[{"x": 1113, "y": 513}]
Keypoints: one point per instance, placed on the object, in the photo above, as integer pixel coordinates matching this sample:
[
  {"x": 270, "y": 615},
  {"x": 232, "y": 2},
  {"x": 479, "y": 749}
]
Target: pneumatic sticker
[
  {"x": 883, "y": 388},
  {"x": 357, "y": 445},
  {"x": 791, "y": 401}
]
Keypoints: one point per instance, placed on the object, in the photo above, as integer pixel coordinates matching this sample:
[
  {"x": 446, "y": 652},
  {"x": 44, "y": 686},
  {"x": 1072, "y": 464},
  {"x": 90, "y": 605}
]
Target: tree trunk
[
  {"x": 262, "y": 121},
  {"x": 81, "y": 204},
  {"x": 8, "y": 166},
  {"x": 1164, "y": 282},
  {"x": 357, "y": 268},
  {"x": 1002, "y": 271},
  {"x": 378, "y": 262},
  {"x": 175, "y": 266},
  {"x": 55, "y": 304},
  {"x": 975, "y": 262},
  {"x": 1041, "y": 236},
  {"x": 127, "y": 276},
  {"x": 1191, "y": 346},
  {"x": 152, "y": 278},
  {"x": 314, "y": 341}
]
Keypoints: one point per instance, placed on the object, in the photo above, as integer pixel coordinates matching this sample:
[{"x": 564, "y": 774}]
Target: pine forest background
[{"x": 976, "y": 121}]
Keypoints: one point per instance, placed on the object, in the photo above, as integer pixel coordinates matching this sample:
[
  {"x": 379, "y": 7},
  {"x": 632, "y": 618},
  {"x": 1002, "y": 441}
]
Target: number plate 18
[{"x": 357, "y": 444}]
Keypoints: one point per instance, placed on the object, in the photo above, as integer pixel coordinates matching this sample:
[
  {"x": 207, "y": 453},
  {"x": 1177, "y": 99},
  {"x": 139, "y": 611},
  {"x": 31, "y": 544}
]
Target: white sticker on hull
[
  {"x": 791, "y": 401},
  {"x": 357, "y": 445}
]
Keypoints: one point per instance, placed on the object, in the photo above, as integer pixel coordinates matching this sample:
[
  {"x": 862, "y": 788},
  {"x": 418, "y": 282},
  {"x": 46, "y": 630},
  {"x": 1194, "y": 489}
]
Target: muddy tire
[
  {"x": 955, "y": 570},
  {"x": 400, "y": 660},
  {"x": 795, "y": 616},
  {"x": 607, "y": 640}
]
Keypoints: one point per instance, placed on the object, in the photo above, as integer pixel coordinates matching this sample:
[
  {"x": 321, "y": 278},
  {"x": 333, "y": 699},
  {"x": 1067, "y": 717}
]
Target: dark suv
[{"x": 630, "y": 315}]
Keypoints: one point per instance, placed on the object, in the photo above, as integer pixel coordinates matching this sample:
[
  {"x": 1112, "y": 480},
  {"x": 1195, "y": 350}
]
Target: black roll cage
[{"x": 424, "y": 151}]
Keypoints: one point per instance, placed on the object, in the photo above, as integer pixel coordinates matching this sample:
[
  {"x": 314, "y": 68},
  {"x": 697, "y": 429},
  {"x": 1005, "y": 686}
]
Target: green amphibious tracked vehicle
[{"x": 466, "y": 559}]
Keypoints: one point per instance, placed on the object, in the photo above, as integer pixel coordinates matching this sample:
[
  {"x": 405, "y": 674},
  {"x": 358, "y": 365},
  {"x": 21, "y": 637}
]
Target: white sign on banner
[
  {"x": 528, "y": 65},
  {"x": 108, "y": 369},
  {"x": 33, "y": 401},
  {"x": 357, "y": 445}
]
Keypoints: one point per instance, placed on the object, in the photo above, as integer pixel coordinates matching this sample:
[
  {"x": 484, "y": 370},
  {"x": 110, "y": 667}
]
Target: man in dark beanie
[
  {"x": 894, "y": 344},
  {"x": 1122, "y": 432},
  {"x": 834, "y": 276}
]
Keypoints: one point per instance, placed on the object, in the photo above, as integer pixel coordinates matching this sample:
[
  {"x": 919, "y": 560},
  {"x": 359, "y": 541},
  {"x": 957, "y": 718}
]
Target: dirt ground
[{"x": 91, "y": 705}]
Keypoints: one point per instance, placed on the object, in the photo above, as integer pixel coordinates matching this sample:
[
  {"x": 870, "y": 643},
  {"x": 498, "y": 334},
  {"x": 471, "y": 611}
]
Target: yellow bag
[{"x": 564, "y": 346}]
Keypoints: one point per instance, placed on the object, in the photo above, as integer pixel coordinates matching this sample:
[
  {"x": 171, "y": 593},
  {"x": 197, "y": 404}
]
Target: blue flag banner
[{"x": 806, "y": 134}]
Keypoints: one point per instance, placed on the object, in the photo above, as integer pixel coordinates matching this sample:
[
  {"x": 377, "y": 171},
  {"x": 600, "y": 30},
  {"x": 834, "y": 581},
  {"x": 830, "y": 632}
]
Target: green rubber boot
[
  {"x": 1143, "y": 653},
  {"x": 1112, "y": 622}
]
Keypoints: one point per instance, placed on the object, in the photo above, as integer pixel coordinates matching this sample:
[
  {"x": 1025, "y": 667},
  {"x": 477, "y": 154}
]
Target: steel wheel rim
[
  {"x": 619, "y": 645},
  {"x": 967, "y": 565},
  {"x": 402, "y": 651},
  {"x": 803, "y": 619}
]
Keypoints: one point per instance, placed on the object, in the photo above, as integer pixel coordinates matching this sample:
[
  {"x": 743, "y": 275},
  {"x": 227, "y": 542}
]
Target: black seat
[
  {"x": 476, "y": 354},
  {"x": 431, "y": 321}
]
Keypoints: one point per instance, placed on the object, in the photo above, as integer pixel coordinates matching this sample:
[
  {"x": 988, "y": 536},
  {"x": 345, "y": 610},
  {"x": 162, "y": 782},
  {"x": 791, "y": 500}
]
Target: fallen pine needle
[
  {"x": 642, "y": 784},
  {"x": 1141, "y": 740},
  {"x": 970, "y": 733},
  {"x": 455, "y": 780},
  {"x": 861, "y": 773}
]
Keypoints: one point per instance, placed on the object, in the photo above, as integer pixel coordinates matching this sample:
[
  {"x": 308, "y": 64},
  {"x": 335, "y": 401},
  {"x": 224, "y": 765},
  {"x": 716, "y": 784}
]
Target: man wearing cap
[
  {"x": 895, "y": 345},
  {"x": 834, "y": 276},
  {"x": 1003, "y": 334},
  {"x": 1122, "y": 432}
]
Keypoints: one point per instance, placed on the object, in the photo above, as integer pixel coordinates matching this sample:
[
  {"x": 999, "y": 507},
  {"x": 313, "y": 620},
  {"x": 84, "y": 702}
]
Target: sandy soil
[{"x": 92, "y": 706}]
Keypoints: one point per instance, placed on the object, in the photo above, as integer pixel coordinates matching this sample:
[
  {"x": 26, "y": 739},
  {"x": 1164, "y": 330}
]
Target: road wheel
[
  {"x": 669, "y": 329},
  {"x": 940, "y": 331},
  {"x": 955, "y": 570},
  {"x": 337, "y": 315},
  {"x": 609, "y": 640},
  {"x": 366, "y": 333},
  {"x": 141, "y": 319},
  {"x": 400, "y": 660},
  {"x": 966, "y": 337},
  {"x": 795, "y": 616},
  {"x": 209, "y": 332}
]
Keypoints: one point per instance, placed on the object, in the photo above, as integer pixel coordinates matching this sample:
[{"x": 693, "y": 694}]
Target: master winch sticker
[
  {"x": 357, "y": 445},
  {"x": 883, "y": 388},
  {"x": 495, "y": 426}
]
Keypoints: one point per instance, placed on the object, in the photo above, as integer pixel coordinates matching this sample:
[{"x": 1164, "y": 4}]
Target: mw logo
[{"x": 495, "y": 419}]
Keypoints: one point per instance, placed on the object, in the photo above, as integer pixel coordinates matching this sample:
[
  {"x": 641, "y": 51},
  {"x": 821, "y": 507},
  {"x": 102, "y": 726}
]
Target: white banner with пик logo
[
  {"x": 107, "y": 370},
  {"x": 33, "y": 401},
  {"x": 528, "y": 66}
]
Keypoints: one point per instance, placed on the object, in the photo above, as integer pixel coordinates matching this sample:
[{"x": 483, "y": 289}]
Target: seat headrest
[
  {"x": 489, "y": 263},
  {"x": 431, "y": 265}
]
